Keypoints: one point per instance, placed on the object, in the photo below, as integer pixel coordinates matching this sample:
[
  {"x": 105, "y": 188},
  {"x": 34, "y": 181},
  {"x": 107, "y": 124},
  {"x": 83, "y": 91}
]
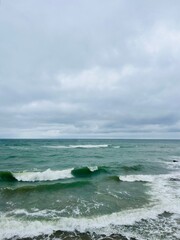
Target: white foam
[
  {"x": 137, "y": 178},
  {"x": 173, "y": 165},
  {"x": 164, "y": 193},
  {"x": 19, "y": 147},
  {"x": 14, "y": 226},
  {"x": 37, "y": 213},
  {"x": 93, "y": 168},
  {"x": 149, "y": 178},
  {"x": 10, "y": 226},
  {"x": 79, "y": 146},
  {"x": 48, "y": 175},
  {"x": 89, "y": 146}
]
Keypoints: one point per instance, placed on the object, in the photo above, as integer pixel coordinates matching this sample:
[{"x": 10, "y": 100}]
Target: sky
[{"x": 90, "y": 69}]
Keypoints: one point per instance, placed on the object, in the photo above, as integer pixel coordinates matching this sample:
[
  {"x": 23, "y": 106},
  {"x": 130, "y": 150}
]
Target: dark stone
[
  {"x": 76, "y": 235},
  {"x": 174, "y": 179}
]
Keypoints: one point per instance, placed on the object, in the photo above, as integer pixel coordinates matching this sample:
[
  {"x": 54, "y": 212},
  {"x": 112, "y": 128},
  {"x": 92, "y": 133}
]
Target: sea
[{"x": 89, "y": 189}]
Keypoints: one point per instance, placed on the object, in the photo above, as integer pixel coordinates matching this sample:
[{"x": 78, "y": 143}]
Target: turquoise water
[{"x": 89, "y": 189}]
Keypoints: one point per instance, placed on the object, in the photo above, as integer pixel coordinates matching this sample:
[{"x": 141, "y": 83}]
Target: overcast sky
[{"x": 90, "y": 69}]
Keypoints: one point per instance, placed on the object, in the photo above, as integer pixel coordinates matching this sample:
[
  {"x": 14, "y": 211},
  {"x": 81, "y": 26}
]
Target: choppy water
[{"x": 90, "y": 189}]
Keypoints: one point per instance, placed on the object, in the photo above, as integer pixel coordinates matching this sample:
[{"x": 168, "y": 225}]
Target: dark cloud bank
[{"x": 106, "y": 69}]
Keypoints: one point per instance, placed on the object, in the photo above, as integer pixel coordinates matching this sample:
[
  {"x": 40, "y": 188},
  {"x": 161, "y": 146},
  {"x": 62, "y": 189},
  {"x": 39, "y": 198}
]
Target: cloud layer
[{"x": 106, "y": 69}]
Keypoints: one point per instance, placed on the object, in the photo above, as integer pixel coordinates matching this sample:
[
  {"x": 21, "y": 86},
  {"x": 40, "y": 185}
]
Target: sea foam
[
  {"x": 164, "y": 189},
  {"x": 106, "y": 224},
  {"x": 137, "y": 178},
  {"x": 48, "y": 175}
]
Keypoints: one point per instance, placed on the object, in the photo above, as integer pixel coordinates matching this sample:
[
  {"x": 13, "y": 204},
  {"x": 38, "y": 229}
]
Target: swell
[
  {"x": 45, "y": 187},
  {"x": 12, "y": 156},
  {"x": 137, "y": 167}
]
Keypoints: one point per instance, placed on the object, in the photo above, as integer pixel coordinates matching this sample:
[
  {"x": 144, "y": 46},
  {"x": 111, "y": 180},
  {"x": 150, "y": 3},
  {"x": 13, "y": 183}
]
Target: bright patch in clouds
[{"x": 162, "y": 39}]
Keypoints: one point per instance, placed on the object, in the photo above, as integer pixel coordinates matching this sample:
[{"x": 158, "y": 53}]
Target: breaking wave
[
  {"x": 51, "y": 175},
  {"x": 88, "y": 171},
  {"x": 48, "y": 175}
]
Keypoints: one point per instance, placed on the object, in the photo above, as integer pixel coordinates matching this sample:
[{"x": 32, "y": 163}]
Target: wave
[
  {"x": 137, "y": 167},
  {"x": 137, "y": 178},
  {"x": 80, "y": 146},
  {"x": 19, "y": 147},
  {"x": 7, "y": 177},
  {"x": 48, "y": 175},
  {"x": 150, "y": 178},
  {"x": 51, "y": 175},
  {"x": 88, "y": 171},
  {"x": 164, "y": 194},
  {"x": 115, "y": 178},
  {"x": 12, "y": 156},
  {"x": 45, "y": 187}
]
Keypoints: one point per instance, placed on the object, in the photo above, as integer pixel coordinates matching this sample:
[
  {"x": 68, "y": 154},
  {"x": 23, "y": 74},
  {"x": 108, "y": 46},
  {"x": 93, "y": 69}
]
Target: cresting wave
[
  {"x": 88, "y": 171},
  {"x": 48, "y": 175},
  {"x": 7, "y": 177},
  {"x": 51, "y": 175}
]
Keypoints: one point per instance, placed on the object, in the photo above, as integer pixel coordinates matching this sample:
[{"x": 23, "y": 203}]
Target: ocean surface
[{"x": 90, "y": 189}]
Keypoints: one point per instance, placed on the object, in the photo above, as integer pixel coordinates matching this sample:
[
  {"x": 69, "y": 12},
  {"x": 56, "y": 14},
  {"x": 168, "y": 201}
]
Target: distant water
[{"x": 90, "y": 189}]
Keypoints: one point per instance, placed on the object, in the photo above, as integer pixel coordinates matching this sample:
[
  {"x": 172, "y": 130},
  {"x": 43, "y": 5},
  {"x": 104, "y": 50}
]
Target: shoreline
[{"x": 76, "y": 235}]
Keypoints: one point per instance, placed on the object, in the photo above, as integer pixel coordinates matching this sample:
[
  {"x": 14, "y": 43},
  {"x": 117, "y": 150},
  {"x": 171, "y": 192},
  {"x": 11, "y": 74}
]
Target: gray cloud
[{"x": 89, "y": 69}]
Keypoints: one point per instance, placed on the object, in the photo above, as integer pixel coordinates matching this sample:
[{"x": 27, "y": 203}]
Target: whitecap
[
  {"x": 93, "y": 168},
  {"x": 137, "y": 178},
  {"x": 47, "y": 175},
  {"x": 79, "y": 146}
]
